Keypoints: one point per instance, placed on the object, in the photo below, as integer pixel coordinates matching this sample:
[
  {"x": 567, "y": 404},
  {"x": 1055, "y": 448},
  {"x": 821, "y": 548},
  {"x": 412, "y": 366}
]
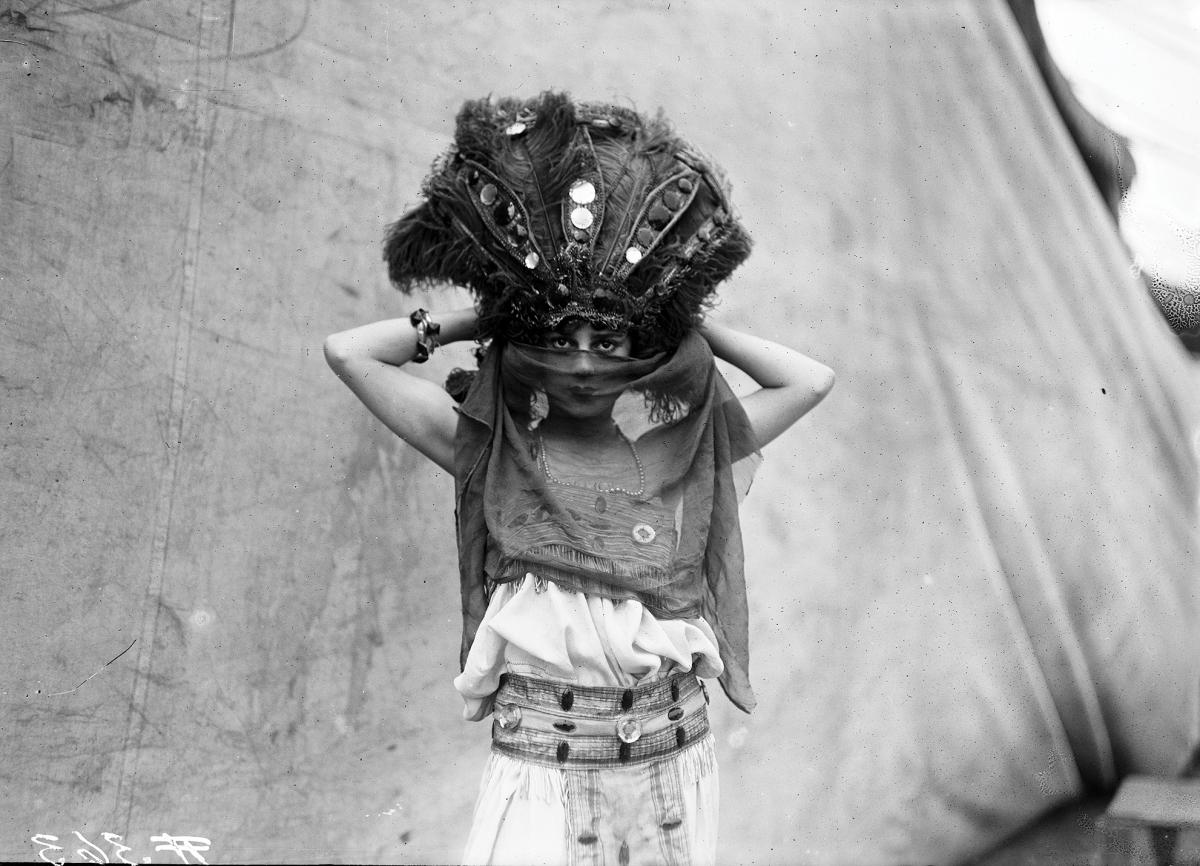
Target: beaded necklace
[{"x": 641, "y": 470}]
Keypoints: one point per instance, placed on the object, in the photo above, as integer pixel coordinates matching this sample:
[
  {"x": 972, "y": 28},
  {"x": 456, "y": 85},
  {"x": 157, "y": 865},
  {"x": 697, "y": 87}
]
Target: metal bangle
[{"x": 427, "y": 333}]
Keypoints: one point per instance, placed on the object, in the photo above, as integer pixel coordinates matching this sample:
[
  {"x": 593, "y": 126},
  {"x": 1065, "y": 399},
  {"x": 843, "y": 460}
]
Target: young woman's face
[
  {"x": 584, "y": 336},
  {"x": 570, "y": 388}
]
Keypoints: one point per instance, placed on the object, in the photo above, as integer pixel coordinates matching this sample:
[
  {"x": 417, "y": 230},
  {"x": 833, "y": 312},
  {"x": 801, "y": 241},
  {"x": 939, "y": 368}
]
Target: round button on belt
[
  {"x": 508, "y": 716},
  {"x": 629, "y": 730}
]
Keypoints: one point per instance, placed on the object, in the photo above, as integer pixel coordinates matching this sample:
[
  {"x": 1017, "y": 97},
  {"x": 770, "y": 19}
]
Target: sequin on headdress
[{"x": 548, "y": 209}]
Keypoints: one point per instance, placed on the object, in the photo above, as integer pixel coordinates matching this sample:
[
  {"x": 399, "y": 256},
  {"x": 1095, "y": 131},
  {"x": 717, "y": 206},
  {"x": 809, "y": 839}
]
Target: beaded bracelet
[{"x": 427, "y": 333}]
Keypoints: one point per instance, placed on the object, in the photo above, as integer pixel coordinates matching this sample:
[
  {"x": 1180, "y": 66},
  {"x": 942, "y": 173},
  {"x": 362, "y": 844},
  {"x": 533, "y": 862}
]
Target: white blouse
[{"x": 534, "y": 628}]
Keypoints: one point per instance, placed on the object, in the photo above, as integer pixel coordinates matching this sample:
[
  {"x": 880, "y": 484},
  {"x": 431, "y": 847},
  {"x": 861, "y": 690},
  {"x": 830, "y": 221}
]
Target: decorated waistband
[{"x": 589, "y": 727}]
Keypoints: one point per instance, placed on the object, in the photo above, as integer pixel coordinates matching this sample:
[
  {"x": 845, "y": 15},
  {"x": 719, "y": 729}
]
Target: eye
[
  {"x": 611, "y": 344},
  {"x": 557, "y": 341}
]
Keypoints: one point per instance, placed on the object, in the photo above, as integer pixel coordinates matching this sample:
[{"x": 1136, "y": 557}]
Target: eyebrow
[{"x": 566, "y": 335}]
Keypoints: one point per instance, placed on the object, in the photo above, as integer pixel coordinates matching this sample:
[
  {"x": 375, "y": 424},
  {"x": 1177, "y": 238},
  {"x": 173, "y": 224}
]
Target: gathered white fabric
[{"x": 535, "y": 628}]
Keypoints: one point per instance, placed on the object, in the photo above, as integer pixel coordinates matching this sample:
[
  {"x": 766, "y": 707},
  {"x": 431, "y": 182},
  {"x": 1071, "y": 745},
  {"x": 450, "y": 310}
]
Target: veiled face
[
  {"x": 572, "y": 387},
  {"x": 575, "y": 335}
]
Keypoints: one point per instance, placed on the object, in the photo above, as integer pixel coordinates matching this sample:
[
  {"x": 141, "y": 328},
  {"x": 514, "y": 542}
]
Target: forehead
[{"x": 584, "y": 330}]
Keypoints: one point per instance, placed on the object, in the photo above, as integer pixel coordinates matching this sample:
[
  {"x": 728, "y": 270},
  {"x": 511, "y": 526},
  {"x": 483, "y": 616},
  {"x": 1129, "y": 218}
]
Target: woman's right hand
[{"x": 369, "y": 360}]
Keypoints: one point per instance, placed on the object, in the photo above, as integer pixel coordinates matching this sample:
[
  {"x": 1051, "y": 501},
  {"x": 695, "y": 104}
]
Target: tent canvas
[{"x": 230, "y": 603}]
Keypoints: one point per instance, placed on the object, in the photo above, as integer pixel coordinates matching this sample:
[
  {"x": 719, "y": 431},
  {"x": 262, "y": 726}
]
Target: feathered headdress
[{"x": 547, "y": 209}]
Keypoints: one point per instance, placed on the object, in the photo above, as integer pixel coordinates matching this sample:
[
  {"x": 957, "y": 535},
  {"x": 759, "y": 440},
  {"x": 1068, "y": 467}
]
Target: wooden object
[{"x": 1146, "y": 821}]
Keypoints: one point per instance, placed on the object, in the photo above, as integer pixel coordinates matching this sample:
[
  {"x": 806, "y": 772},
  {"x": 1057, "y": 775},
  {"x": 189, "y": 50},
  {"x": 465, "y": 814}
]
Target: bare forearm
[
  {"x": 791, "y": 383},
  {"x": 394, "y": 341},
  {"x": 769, "y": 364},
  {"x": 369, "y": 360}
]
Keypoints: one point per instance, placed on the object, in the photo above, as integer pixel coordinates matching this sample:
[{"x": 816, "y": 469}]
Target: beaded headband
[{"x": 549, "y": 209}]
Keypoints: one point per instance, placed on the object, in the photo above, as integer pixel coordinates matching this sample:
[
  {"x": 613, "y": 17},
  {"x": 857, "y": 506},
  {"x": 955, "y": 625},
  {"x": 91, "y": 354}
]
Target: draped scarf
[{"x": 675, "y": 545}]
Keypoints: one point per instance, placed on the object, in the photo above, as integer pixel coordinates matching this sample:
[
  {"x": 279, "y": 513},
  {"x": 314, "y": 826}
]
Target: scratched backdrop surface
[{"x": 229, "y": 595}]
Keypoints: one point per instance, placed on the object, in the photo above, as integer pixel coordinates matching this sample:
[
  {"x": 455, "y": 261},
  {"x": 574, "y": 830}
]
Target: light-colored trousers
[{"x": 660, "y": 813}]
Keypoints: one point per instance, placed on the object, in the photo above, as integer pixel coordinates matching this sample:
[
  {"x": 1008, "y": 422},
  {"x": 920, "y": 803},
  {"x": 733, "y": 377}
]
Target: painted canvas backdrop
[{"x": 229, "y": 594}]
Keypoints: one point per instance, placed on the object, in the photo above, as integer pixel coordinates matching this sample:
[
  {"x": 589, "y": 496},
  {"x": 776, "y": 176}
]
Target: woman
[{"x": 599, "y": 459}]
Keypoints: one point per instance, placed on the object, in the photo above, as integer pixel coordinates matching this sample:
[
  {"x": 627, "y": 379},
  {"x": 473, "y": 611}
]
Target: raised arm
[
  {"x": 369, "y": 360},
  {"x": 791, "y": 383}
]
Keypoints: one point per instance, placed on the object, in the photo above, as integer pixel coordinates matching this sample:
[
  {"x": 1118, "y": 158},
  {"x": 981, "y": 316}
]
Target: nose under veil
[{"x": 674, "y": 545}]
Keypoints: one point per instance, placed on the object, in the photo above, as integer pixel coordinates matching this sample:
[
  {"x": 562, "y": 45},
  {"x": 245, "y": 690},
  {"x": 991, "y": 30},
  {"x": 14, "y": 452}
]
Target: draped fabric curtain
[{"x": 231, "y": 603}]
